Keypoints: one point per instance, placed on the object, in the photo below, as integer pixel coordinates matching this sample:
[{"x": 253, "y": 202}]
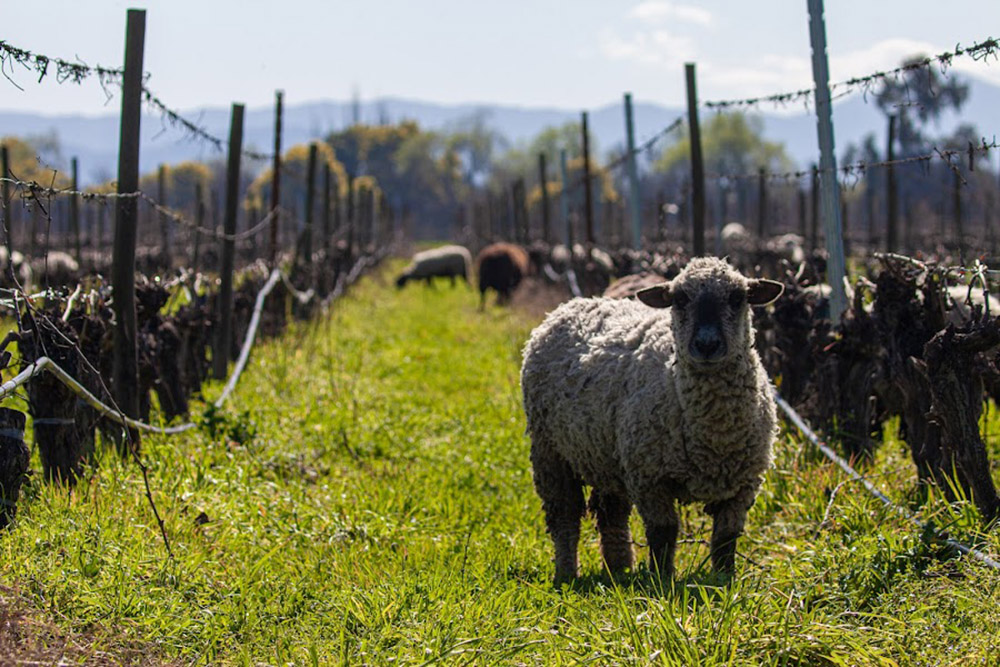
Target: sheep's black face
[
  {"x": 708, "y": 340},
  {"x": 709, "y": 304}
]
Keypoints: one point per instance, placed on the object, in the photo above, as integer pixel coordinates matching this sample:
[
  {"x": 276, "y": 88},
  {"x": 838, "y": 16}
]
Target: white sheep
[
  {"x": 14, "y": 262},
  {"x": 448, "y": 261},
  {"x": 736, "y": 240},
  {"x": 789, "y": 247},
  {"x": 650, "y": 406},
  {"x": 56, "y": 269}
]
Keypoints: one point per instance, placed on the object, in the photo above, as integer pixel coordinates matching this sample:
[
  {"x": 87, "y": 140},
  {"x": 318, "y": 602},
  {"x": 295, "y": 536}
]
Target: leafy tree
[
  {"x": 27, "y": 163},
  {"x": 732, "y": 143},
  {"x": 294, "y": 172},
  {"x": 920, "y": 94}
]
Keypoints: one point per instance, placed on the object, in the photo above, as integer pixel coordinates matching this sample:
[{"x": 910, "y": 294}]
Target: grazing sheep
[
  {"x": 650, "y": 406},
  {"x": 736, "y": 241},
  {"x": 56, "y": 269},
  {"x": 501, "y": 268},
  {"x": 448, "y": 261}
]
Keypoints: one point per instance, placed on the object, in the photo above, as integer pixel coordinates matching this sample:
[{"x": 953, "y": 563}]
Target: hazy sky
[{"x": 568, "y": 54}]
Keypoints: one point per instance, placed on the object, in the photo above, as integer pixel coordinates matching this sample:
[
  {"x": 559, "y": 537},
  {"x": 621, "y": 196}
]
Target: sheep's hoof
[{"x": 564, "y": 577}]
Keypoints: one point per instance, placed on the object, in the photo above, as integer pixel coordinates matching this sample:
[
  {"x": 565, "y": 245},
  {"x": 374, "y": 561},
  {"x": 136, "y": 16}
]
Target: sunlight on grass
[{"x": 366, "y": 498}]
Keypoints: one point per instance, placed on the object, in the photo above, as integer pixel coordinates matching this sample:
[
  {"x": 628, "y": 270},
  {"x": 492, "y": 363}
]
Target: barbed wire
[
  {"x": 646, "y": 145},
  {"x": 77, "y": 72},
  {"x": 36, "y": 190},
  {"x": 858, "y": 169},
  {"x": 175, "y": 119},
  {"x": 214, "y": 233},
  {"x": 980, "y": 51},
  {"x": 74, "y": 72}
]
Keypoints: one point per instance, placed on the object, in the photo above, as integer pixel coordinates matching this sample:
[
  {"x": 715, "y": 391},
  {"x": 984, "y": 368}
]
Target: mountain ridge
[{"x": 94, "y": 139}]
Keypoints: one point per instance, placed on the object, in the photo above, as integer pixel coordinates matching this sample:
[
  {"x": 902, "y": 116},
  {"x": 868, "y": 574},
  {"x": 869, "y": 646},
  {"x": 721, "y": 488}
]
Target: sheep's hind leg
[
  {"x": 612, "y": 512},
  {"x": 661, "y": 534},
  {"x": 561, "y": 492}
]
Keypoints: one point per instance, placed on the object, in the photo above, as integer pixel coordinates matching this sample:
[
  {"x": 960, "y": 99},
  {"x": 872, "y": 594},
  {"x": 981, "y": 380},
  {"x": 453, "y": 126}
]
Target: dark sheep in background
[
  {"x": 502, "y": 266},
  {"x": 448, "y": 261}
]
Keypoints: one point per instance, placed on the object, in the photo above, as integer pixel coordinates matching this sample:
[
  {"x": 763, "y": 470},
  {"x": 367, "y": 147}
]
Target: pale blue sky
[{"x": 573, "y": 55}]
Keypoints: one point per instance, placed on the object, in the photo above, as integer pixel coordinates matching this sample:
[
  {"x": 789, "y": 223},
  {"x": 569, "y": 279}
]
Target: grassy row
[{"x": 367, "y": 499}]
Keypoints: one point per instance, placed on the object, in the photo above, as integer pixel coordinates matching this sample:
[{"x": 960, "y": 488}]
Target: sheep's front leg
[
  {"x": 561, "y": 492},
  {"x": 662, "y": 526},
  {"x": 728, "y": 519}
]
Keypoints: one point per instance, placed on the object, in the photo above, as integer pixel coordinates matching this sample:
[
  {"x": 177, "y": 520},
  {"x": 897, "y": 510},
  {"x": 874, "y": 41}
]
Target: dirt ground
[
  {"x": 537, "y": 297},
  {"x": 27, "y": 639}
]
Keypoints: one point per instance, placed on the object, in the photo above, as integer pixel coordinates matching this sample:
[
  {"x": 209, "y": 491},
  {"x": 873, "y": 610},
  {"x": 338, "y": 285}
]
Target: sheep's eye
[
  {"x": 736, "y": 298},
  {"x": 681, "y": 299}
]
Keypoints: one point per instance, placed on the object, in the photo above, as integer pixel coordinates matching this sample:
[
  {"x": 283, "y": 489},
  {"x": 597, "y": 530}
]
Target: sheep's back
[{"x": 582, "y": 366}]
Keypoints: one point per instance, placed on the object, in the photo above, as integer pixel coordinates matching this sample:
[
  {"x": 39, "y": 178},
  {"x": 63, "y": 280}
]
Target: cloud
[
  {"x": 658, "y": 11},
  {"x": 771, "y": 74},
  {"x": 658, "y": 47}
]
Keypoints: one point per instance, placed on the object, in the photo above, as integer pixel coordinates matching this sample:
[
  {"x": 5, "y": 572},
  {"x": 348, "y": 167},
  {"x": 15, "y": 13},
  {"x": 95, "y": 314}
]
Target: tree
[
  {"x": 732, "y": 143},
  {"x": 920, "y": 94}
]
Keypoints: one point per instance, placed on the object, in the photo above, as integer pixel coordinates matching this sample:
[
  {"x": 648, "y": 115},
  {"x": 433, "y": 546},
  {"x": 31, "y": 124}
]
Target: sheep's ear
[
  {"x": 762, "y": 292},
  {"x": 657, "y": 296}
]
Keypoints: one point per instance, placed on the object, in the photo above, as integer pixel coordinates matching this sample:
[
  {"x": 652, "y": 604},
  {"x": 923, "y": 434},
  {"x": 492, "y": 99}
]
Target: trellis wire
[{"x": 46, "y": 364}]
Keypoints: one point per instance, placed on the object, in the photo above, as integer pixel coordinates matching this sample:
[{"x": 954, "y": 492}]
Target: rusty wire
[
  {"x": 77, "y": 72},
  {"x": 983, "y": 50},
  {"x": 856, "y": 170},
  {"x": 73, "y": 72}
]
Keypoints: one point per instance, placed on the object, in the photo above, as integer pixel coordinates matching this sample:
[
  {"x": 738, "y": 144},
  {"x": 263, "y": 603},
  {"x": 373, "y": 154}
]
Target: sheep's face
[{"x": 709, "y": 304}]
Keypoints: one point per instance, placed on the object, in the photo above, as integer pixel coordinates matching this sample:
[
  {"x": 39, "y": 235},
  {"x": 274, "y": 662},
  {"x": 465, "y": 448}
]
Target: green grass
[{"x": 368, "y": 500}]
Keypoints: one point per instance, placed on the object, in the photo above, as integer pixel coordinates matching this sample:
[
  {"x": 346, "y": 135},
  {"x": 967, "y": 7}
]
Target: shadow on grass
[{"x": 643, "y": 581}]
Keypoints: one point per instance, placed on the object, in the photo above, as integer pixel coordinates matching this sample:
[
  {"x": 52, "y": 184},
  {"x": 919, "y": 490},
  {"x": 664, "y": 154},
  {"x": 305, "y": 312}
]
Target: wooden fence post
[
  {"x": 351, "y": 226},
  {"x": 125, "y": 363},
  {"x": 8, "y": 225},
  {"x": 956, "y": 198},
  {"x": 543, "y": 183},
  {"x": 814, "y": 208},
  {"x": 892, "y": 202},
  {"x": 564, "y": 200},
  {"x": 161, "y": 198},
  {"x": 74, "y": 211},
  {"x": 697, "y": 163},
  {"x": 276, "y": 178},
  {"x": 307, "y": 233},
  {"x": 633, "y": 176},
  {"x": 220, "y": 357},
  {"x": 199, "y": 221},
  {"x": 588, "y": 195},
  {"x": 762, "y": 205},
  {"x": 326, "y": 209}
]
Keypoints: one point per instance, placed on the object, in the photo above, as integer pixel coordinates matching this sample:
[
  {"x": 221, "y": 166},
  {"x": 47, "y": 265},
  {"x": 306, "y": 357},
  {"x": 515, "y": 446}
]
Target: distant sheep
[
  {"x": 450, "y": 261},
  {"x": 56, "y": 269},
  {"x": 649, "y": 407},
  {"x": 501, "y": 266},
  {"x": 736, "y": 241},
  {"x": 14, "y": 262},
  {"x": 789, "y": 247},
  {"x": 628, "y": 286}
]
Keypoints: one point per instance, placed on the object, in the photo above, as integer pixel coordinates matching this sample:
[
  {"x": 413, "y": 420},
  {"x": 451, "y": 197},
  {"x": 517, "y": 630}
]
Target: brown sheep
[
  {"x": 501, "y": 266},
  {"x": 627, "y": 286}
]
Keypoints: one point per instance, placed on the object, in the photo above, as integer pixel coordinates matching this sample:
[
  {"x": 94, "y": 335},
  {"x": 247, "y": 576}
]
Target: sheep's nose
[{"x": 707, "y": 345}]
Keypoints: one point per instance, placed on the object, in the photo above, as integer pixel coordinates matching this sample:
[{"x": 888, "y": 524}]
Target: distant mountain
[{"x": 94, "y": 140}]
